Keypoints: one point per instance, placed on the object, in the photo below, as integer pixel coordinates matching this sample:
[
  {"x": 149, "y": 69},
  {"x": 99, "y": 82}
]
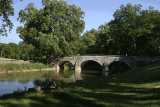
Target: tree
[
  {"x": 10, "y": 50},
  {"x": 14, "y": 51},
  {"x": 52, "y": 29},
  {"x": 104, "y": 40},
  {"x": 135, "y": 31},
  {"x": 88, "y": 42},
  {"x": 6, "y": 10},
  {"x": 148, "y": 34},
  {"x": 26, "y": 51}
]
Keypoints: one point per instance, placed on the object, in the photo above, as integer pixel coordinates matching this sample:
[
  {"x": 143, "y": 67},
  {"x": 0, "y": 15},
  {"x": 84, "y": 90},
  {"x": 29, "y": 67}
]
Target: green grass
[
  {"x": 7, "y": 59},
  {"x": 21, "y": 66},
  {"x": 134, "y": 88}
]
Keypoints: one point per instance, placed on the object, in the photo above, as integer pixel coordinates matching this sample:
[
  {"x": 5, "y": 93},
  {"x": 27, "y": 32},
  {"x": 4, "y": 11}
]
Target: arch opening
[
  {"x": 66, "y": 69},
  {"x": 90, "y": 69},
  {"x": 118, "y": 67}
]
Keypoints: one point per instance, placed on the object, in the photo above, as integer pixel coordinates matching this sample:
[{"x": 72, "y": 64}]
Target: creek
[{"x": 20, "y": 81}]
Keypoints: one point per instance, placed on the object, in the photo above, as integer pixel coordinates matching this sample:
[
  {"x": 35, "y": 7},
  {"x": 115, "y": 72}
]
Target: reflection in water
[
  {"x": 67, "y": 73},
  {"x": 91, "y": 69},
  {"x": 91, "y": 73},
  {"x": 24, "y": 80}
]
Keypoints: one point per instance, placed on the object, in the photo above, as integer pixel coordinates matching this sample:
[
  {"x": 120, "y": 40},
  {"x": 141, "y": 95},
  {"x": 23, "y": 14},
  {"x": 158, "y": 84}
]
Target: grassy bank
[
  {"x": 7, "y": 59},
  {"x": 21, "y": 66},
  {"x": 135, "y": 88}
]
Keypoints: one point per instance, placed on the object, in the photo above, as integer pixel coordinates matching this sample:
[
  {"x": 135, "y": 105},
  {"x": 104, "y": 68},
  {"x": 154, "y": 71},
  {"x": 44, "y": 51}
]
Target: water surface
[{"x": 11, "y": 82}]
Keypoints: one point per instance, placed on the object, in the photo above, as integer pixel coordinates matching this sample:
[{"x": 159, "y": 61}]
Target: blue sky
[{"x": 97, "y": 12}]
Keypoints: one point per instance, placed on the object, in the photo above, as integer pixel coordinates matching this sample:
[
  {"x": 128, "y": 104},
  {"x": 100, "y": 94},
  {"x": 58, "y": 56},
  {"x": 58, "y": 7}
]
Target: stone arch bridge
[{"x": 104, "y": 61}]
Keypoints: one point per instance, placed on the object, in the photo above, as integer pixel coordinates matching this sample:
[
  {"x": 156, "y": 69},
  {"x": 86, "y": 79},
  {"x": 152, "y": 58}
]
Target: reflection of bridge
[{"x": 104, "y": 61}]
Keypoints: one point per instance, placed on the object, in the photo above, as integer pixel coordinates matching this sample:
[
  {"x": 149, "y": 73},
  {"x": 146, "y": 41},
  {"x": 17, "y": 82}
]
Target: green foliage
[
  {"x": 104, "y": 42},
  {"x": 21, "y": 51},
  {"x": 68, "y": 65},
  {"x": 88, "y": 41},
  {"x": 52, "y": 29},
  {"x": 26, "y": 51},
  {"x": 10, "y": 50},
  {"x": 6, "y": 10},
  {"x": 135, "y": 31}
]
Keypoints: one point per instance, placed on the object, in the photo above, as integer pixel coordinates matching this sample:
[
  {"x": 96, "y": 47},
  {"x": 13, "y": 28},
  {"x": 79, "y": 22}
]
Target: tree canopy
[
  {"x": 135, "y": 31},
  {"x": 52, "y": 29},
  {"x": 6, "y": 10},
  {"x": 21, "y": 51}
]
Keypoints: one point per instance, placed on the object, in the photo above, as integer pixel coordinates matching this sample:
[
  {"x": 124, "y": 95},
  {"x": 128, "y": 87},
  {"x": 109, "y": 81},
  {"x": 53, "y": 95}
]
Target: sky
[{"x": 97, "y": 12}]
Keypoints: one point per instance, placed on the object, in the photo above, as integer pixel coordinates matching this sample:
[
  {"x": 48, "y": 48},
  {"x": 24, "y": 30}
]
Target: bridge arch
[
  {"x": 66, "y": 69},
  {"x": 90, "y": 68},
  {"x": 61, "y": 64},
  {"x": 89, "y": 59},
  {"x": 118, "y": 66},
  {"x": 84, "y": 62},
  {"x": 121, "y": 62},
  {"x": 80, "y": 63}
]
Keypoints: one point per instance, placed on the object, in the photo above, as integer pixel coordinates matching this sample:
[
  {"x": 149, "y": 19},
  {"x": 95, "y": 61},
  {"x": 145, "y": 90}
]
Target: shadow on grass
[
  {"x": 121, "y": 90},
  {"x": 85, "y": 93}
]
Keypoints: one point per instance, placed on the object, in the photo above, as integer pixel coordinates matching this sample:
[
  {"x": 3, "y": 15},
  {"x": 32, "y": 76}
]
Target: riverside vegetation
[
  {"x": 137, "y": 87},
  {"x": 22, "y": 66}
]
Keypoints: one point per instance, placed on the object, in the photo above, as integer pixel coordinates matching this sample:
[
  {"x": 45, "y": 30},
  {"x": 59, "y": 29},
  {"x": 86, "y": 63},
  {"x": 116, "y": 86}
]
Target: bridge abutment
[
  {"x": 56, "y": 68},
  {"x": 78, "y": 73},
  {"x": 105, "y": 69}
]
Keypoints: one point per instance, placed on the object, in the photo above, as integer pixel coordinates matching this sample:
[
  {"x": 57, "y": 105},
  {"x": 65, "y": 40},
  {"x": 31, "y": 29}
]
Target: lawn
[
  {"x": 6, "y": 59},
  {"x": 135, "y": 88}
]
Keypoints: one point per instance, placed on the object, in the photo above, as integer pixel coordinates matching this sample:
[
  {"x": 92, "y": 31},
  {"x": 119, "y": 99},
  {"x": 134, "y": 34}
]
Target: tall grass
[{"x": 21, "y": 66}]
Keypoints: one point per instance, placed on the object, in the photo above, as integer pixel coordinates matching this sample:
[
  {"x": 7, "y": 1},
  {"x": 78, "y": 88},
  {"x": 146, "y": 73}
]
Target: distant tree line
[
  {"x": 55, "y": 31},
  {"x": 22, "y": 51}
]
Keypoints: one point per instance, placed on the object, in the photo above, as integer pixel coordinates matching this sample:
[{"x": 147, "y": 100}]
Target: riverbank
[
  {"x": 137, "y": 87},
  {"x": 23, "y": 67},
  {"x": 31, "y": 70}
]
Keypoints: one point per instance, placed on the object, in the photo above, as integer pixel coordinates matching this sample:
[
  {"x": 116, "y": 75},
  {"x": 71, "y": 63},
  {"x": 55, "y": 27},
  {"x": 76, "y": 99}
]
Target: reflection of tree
[
  {"x": 23, "y": 81},
  {"x": 43, "y": 83},
  {"x": 67, "y": 73},
  {"x": 25, "y": 77}
]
